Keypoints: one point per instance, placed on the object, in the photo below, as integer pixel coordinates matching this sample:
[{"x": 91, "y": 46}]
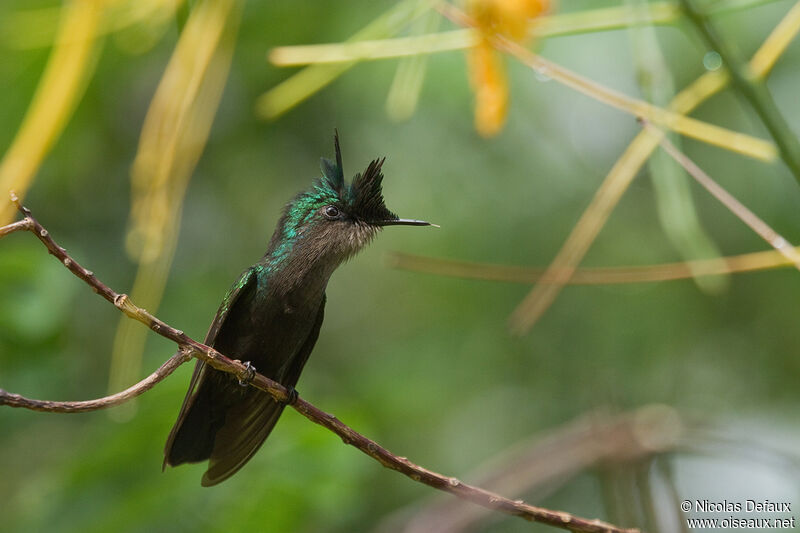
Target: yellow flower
[
  {"x": 509, "y": 18},
  {"x": 488, "y": 78}
]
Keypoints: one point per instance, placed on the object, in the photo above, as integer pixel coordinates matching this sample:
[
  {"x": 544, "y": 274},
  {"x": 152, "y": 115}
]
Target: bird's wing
[
  {"x": 245, "y": 283},
  {"x": 296, "y": 367},
  {"x": 254, "y": 418},
  {"x": 242, "y": 286}
]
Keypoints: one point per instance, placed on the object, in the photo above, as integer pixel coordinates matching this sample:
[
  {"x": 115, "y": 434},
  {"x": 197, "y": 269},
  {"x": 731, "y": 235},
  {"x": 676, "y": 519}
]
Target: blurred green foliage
[{"x": 422, "y": 364}]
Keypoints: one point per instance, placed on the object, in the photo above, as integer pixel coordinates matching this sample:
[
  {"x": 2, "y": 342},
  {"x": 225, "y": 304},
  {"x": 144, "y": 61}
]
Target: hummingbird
[{"x": 271, "y": 317}]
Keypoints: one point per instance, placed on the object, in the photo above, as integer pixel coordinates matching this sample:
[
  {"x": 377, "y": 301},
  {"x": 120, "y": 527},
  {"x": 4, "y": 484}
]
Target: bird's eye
[{"x": 332, "y": 211}]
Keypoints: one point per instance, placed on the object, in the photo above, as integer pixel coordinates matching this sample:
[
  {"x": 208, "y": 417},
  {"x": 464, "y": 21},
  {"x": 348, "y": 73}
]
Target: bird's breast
[{"x": 269, "y": 330}]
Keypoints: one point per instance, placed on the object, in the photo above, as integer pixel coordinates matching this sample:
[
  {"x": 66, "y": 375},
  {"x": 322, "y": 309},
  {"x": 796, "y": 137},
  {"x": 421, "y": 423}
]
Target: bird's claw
[
  {"x": 291, "y": 396},
  {"x": 251, "y": 374}
]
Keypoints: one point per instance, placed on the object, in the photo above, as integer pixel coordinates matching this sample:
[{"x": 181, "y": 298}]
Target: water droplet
[
  {"x": 779, "y": 242},
  {"x": 541, "y": 74},
  {"x": 43, "y": 233},
  {"x": 712, "y": 60},
  {"x": 454, "y": 482},
  {"x": 67, "y": 261}
]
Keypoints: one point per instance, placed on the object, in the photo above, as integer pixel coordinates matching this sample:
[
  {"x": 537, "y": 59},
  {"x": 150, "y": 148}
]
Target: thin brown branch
[
  {"x": 15, "y": 400},
  {"x": 190, "y": 347}
]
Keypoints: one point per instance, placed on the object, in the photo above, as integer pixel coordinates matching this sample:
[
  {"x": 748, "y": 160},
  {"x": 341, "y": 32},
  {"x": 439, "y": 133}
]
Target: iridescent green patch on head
[
  {"x": 359, "y": 204},
  {"x": 299, "y": 213}
]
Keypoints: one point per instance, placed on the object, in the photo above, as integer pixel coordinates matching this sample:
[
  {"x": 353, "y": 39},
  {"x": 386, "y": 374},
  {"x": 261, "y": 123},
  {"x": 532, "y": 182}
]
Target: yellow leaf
[{"x": 68, "y": 70}]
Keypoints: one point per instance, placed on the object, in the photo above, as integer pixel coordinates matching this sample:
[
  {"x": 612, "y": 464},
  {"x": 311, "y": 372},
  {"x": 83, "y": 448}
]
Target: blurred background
[{"x": 149, "y": 144}]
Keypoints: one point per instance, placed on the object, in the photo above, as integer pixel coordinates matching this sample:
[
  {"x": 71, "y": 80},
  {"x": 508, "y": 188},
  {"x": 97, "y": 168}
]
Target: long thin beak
[{"x": 404, "y": 222}]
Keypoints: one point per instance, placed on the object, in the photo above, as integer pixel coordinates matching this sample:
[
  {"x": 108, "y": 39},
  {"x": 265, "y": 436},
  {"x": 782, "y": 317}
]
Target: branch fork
[{"x": 188, "y": 348}]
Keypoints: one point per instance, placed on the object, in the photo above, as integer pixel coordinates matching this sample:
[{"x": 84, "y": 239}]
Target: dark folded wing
[
  {"x": 192, "y": 441},
  {"x": 250, "y": 422}
]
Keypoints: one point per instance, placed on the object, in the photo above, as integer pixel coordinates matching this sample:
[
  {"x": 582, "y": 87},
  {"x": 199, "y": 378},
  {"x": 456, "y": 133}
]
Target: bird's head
[{"x": 333, "y": 220}]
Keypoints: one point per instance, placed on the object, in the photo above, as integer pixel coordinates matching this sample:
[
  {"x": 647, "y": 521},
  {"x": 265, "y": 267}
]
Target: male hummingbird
[{"x": 272, "y": 315}]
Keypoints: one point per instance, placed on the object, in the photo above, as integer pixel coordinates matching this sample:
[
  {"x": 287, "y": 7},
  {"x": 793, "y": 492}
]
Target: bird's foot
[
  {"x": 250, "y": 376},
  {"x": 291, "y": 396}
]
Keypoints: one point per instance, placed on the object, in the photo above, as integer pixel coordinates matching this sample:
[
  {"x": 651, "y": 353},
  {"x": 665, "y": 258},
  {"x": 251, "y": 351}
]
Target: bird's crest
[
  {"x": 334, "y": 172},
  {"x": 364, "y": 196}
]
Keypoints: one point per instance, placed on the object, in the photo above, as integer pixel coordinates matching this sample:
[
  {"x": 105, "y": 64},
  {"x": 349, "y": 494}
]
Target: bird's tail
[{"x": 222, "y": 422}]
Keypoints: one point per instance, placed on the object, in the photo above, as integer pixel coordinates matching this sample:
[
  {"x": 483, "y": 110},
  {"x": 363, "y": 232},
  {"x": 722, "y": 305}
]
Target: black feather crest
[
  {"x": 334, "y": 172},
  {"x": 366, "y": 194},
  {"x": 363, "y": 198}
]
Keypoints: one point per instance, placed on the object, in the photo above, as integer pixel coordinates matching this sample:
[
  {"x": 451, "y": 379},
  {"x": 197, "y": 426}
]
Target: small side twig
[
  {"x": 15, "y": 400},
  {"x": 19, "y": 225},
  {"x": 189, "y": 347}
]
